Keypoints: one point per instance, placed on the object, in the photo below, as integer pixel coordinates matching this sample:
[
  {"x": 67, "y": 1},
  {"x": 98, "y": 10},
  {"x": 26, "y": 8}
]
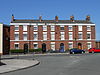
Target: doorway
[
  {"x": 25, "y": 48},
  {"x": 79, "y": 46},
  {"x": 43, "y": 48},
  {"x": 61, "y": 47}
]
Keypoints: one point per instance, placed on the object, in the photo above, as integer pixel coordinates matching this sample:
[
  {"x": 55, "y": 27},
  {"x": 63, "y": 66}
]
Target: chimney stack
[
  {"x": 12, "y": 18},
  {"x": 88, "y": 18},
  {"x": 40, "y": 18},
  {"x": 56, "y": 18},
  {"x": 72, "y": 18}
]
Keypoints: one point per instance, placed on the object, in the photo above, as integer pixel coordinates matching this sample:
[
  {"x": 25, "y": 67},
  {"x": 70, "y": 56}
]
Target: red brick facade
[{"x": 30, "y": 36}]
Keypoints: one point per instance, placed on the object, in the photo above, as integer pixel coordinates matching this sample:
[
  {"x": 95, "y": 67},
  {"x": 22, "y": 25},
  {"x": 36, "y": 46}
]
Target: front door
[
  {"x": 79, "y": 46},
  {"x": 61, "y": 47},
  {"x": 25, "y": 48},
  {"x": 43, "y": 48}
]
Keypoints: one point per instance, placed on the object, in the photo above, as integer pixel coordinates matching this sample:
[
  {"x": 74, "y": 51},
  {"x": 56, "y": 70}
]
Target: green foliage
[
  {"x": 22, "y": 51},
  {"x": 35, "y": 50},
  {"x": 16, "y": 51}
]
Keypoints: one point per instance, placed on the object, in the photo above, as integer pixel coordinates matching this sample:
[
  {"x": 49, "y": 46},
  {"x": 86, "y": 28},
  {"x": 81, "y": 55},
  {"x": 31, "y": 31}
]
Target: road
[{"x": 77, "y": 64}]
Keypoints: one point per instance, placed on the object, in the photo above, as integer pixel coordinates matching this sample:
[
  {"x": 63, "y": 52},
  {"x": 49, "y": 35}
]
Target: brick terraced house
[
  {"x": 52, "y": 34},
  {"x": 4, "y": 38}
]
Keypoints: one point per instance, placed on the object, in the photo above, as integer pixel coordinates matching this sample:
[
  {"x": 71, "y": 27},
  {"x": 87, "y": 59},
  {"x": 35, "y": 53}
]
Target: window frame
[
  {"x": 17, "y": 27},
  {"x": 24, "y": 27}
]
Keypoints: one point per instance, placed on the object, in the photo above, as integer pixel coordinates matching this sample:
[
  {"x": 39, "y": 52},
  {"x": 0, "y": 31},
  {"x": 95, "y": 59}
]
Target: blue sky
[{"x": 28, "y": 9}]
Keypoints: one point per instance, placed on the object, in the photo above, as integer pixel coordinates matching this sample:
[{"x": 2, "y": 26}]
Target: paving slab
[{"x": 16, "y": 64}]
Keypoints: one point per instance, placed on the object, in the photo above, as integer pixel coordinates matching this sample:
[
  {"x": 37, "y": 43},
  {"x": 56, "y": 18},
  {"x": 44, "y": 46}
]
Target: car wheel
[
  {"x": 73, "y": 52},
  {"x": 70, "y": 52},
  {"x": 92, "y": 51},
  {"x": 82, "y": 52}
]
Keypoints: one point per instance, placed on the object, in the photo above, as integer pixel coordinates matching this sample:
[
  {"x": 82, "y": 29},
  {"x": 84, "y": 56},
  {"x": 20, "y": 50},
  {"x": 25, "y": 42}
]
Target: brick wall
[{"x": 57, "y": 37}]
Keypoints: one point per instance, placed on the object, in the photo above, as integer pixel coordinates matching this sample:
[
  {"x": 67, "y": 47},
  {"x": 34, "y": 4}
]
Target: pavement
[{"x": 13, "y": 64}]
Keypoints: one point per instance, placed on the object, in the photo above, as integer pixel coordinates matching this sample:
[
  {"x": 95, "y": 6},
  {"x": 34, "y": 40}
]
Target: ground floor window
[
  {"x": 70, "y": 45},
  {"x": 16, "y": 45},
  {"x": 53, "y": 46},
  {"x": 88, "y": 45},
  {"x": 35, "y": 45}
]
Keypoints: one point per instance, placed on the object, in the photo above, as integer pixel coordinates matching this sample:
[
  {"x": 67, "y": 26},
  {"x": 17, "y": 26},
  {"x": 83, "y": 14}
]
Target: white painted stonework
[{"x": 1, "y": 38}]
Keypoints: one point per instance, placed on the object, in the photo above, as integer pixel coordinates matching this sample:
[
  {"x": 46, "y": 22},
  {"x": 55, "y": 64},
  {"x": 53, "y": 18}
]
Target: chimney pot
[
  {"x": 12, "y": 18},
  {"x": 56, "y": 18},
  {"x": 87, "y": 18},
  {"x": 72, "y": 18},
  {"x": 40, "y": 18}
]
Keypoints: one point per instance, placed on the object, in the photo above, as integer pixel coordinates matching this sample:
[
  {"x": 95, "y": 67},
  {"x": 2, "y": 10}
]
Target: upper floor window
[
  {"x": 35, "y": 36},
  {"x": 16, "y": 28},
  {"x": 70, "y": 36},
  {"x": 62, "y": 36},
  {"x": 88, "y": 35},
  {"x": 88, "y": 28},
  {"x": 80, "y": 35},
  {"x": 44, "y": 28},
  {"x": 16, "y": 35},
  {"x": 52, "y": 35},
  {"x": 35, "y": 28},
  {"x": 24, "y": 28},
  {"x": 70, "y": 28},
  {"x": 52, "y": 28},
  {"x": 44, "y": 35},
  {"x": 79, "y": 28},
  {"x": 61, "y": 27},
  {"x": 25, "y": 36}
]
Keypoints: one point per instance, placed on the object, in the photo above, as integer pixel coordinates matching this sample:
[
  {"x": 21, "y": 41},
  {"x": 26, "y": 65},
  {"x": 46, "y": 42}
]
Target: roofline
[{"x": 51, "y": 24}]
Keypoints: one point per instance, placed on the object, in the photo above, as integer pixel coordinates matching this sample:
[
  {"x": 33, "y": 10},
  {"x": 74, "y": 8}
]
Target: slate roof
[{"x": 50, "y": 21}]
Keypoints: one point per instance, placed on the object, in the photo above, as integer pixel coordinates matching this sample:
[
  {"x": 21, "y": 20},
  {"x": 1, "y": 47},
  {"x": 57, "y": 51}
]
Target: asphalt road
[{"x": 78, "y": 64}]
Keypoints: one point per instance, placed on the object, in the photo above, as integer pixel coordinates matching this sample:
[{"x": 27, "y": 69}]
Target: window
[
  {"x": 16, "y": 35},
  {"x": 61, "y": 27},
  {"x": 88, "y": 28},
  {"x": 16, "y": 28},
  {"x": 52, "y": 35},
  {"x": 70, "y": 28},
  {"x": 35, "y": 36},
  {"x": 80, "y": 35},
  {"x": 25, "y": 36},
  {"x": 16, "y": 45},
  {"x": 70, "y": 36},
  {"x": 24, "y": 28},
  {"x": 52, "y": 28},
  {"x": 53, "y": 46},
  {"x": 62, "y": 36},
  {"x": 35, "y": 28},
  {"x": 44, "y": 35},
  {"x": 79, "y": 28},
  {"x": 35, "y": 45},
  {"x": 88, "y": 35},
  {"x": 88, "y": 45},
  {"x": 44, "y": 28},
  {"x": 70, "y": 45}
]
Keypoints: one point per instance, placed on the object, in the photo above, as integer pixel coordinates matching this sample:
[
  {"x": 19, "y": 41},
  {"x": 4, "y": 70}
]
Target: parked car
[
  {"x": 75, "y": 50},
  {"x": 94, "y": 50}
]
